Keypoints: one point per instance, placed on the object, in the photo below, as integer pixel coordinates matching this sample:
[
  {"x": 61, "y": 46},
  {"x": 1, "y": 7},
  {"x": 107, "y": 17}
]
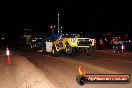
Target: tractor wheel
[
  {"x": 74, "y": 52},
  {"x": 55, "y": 52}
]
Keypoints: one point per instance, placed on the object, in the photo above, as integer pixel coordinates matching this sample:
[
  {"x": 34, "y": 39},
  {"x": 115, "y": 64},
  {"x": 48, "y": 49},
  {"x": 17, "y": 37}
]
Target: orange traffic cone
[{"x": 8, "y": 55}]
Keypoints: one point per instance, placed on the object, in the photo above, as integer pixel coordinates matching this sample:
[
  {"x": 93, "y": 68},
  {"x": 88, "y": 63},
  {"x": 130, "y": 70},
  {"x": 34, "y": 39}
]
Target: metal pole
[
  {"x": 58, "y": 23},
  {"x": 61, "y": 31}
]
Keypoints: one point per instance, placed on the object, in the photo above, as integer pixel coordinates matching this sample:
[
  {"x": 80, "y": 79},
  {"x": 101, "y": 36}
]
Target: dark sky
[{"x": 87, "y": 16}]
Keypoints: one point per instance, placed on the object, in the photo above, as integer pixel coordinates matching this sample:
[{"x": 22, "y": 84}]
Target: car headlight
[{"x": 90, "y": 40}]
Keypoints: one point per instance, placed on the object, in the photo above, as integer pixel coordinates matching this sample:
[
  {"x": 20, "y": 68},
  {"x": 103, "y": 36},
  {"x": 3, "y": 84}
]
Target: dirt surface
[
  {"x": 21, "y": 74},
  {"x": 29, "y": 69},
  {"x": 62, "y": 71}
]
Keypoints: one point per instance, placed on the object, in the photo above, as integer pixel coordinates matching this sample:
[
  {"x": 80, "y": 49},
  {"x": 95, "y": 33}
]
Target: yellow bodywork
[{"x": 73, "y": 42}]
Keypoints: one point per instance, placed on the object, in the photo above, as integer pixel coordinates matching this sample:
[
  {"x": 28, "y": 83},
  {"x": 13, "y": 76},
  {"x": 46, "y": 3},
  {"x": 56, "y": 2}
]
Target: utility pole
[
  {"x": 58, "y": 23},
  {"x": 61, "y": 31}
]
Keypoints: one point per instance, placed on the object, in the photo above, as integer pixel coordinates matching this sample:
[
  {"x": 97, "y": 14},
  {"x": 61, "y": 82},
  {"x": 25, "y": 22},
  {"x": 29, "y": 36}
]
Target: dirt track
[{"x": 21, "y": 74}]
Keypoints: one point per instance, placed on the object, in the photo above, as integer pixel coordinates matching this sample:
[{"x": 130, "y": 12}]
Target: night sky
[{"x": 75, "y": 16}]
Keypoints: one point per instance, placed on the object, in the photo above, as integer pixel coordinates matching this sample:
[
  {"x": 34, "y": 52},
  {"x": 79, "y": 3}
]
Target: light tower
[{"x": 58, "y": 23}]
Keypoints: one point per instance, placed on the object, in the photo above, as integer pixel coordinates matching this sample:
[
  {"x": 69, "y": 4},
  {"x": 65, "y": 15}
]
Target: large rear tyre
[
  {"x": 74, "y": 52},
  {"x": 55, "y": 53},
  {"x": 71, "y": 51}
]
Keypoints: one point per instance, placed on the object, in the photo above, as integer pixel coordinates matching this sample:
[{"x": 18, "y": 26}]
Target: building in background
[{"x": 26, "y": 37}]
